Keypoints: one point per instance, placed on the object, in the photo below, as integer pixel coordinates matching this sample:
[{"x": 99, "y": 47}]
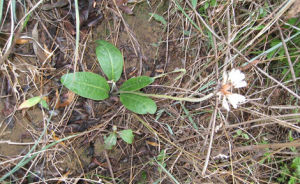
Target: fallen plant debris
[
  {"x": 68, "y": 99},
  {"x": 172, "y": 92},
  {"x": 90, "y": 14},
  {"x": 122, "y": 4}
]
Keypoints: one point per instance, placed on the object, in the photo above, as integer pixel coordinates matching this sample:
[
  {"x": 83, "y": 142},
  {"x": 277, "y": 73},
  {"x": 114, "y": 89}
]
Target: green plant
[
  {"x": 293, "y": 51},
  {"x": 95, "y": 87},
  {"x": 290, "y": 137},
  {"x": 161, "y": 159},
  {"x": 33, "y": 101},
  {"x": 239, "y": 132},
  {"x": 111, "y": 140},
  {"x": 267, "y": 155},
  {"x": 290, "y": 174}
]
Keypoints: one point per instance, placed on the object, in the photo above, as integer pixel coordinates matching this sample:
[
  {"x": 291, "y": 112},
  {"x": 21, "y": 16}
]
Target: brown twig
[
  {"x": 9, "y": 50},
  {"x": 110, "y": 167},
  {"x": 286, "y": 52},
  {"x": 295, "y": 143},
  {"x": 213, "y": 122}
]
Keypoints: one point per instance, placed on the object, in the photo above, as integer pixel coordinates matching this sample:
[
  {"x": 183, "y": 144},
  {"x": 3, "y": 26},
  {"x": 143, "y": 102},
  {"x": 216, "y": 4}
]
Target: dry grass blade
[
  {"x": 287, "y": 53},
  {"x": 185, "y": 46}
]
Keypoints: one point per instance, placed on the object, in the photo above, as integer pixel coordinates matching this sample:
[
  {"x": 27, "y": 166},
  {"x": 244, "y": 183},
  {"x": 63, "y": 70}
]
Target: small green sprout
[{"x": 126, "y": 135}]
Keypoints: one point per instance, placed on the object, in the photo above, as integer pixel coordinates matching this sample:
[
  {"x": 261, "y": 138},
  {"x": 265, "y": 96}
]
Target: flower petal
[
  {"x": 225, "y": 104},
  {"x": 225, "y": 78},
  {"x": 236, "y": 99},
  {"x": 236, "y": 74},
  {"x": 236, "y": 77},
  {"x": 241, "y": 84}
]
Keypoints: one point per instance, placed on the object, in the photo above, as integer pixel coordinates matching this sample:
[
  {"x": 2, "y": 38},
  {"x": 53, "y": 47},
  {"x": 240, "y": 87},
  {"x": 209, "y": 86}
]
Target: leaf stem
[
  {"x": 187, "y": 99},
  {"x": 114, "y": 87},
  {"x": 182, "y": 71}
]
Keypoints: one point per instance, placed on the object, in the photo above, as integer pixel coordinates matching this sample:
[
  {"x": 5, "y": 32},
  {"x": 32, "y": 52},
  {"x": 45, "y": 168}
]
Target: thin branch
[
  {"x": 286, "y": 53},
  {"x": 213, "y": 121}
]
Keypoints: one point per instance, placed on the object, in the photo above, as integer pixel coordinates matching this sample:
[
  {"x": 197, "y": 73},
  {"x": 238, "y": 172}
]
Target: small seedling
[
  {"x": 161, "y": 160},
  {"x": 158, "y": 18},
  {"x": 96, "y": 87},
  {"x": 242, "y": 134},
  {"x": 111, "y": 140},
  {"x": 33, "y": 101}
]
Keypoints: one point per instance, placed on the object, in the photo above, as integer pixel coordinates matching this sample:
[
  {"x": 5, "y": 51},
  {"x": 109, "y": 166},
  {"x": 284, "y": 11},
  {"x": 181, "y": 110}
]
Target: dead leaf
[
  {"x": 69, "y": 97},
  {"x": 57, "y": 139},
  {"x": 8, "y": 109},
  {"x": 152, "y": 143},
  {"x": 69, "y": 27},
  {"x": 94, "y": 19},
  {"x": 159, "y": 70},
  {"x": 21, "y": 41},
  {"x": 36, "y": 46},
  {"x": 126, "y": 9},
  {"x": 58, "y": 4},
  {"x": 122, "y": 4}
]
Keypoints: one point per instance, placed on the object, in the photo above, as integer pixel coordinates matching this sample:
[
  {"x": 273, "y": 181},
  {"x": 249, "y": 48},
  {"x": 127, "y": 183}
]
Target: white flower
[
  {"x": 235, "y": 99},
  {"x": 235, "y": 79}
]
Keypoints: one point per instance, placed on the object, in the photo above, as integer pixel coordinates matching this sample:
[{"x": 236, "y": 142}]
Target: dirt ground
[{"x": 183, "y": 142}]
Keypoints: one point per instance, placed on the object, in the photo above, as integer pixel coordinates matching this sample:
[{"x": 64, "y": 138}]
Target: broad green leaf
[
  {"x": 30, "y": 102},
  {"x": 194, "y": 3},
  {"x": 86, "y": 84},
  {"x": 126, "y": 135},
  {"x": 110, "y": 141},
  {"x": 138, "y": 104},
  {"x": 158, "y": 18},
  {"x": 110, "y": 59},
  {"x": 44, "y": 104},
  {"x": 136, "y": 83}
]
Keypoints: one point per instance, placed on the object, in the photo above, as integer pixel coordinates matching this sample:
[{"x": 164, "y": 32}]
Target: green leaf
[
  {"x": 260, "y": 27},
  {"x": 186, "y": 33},
  {"x": 162, "y": 155},
  {"x": 136, "y": 83},
  {"x": 194, "y": 3},
  {"x": 291, "y": 138},
  {"x": 86, "y": 84},
  {"x": 158, "y": 18},
  {"x": 206, "y": 5},
  {"x": 126, "y": 135},
  {"x": 44, "y": 104},
  {"x": 30, "y": 102},
  {"x": 110, "y": 59},
  {"x": 213, "y": 3},
  {"x": 296, "y": 165},
  {"x": 110, "y": 141},
  {"x": 239, "y": 132},
  {"x": 138, "y": 104},
  {"x": 246, "y": 136}
]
